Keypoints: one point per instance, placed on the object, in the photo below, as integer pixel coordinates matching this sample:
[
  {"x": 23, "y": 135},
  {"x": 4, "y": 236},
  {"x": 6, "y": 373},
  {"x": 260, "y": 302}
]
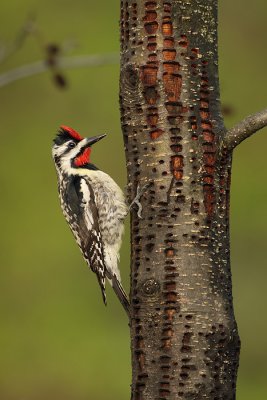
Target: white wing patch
[{"x": 86, "y": 204}]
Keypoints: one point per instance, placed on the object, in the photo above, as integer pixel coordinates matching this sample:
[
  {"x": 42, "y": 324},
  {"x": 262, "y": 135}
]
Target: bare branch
[
  {"x": 245, "y": 129},
  {"x": 41, "y": 66},
  {"x": 28, "y": 28}
]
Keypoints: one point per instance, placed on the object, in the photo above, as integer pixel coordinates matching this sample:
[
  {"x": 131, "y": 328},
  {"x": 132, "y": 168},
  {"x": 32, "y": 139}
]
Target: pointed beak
[{"x": 93, "y": 140}]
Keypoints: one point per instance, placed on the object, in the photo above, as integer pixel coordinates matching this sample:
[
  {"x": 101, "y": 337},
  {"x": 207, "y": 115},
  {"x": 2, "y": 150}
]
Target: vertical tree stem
[{"x": 183, "y": 331}]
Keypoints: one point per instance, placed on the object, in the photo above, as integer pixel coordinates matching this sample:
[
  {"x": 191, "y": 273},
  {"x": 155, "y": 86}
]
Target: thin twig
[
  {"x": 28, "y": 28},
  {"x": 244, "y": 129},
  {"x": 41, "y": 66}
]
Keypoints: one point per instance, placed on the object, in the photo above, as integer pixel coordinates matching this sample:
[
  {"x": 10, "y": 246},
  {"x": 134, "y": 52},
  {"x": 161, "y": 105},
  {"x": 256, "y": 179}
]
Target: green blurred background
[{"x": 57, "y": 340}]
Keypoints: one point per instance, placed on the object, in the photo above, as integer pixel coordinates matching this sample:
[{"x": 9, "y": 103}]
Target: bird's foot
[{"x": 136, "y": 200}]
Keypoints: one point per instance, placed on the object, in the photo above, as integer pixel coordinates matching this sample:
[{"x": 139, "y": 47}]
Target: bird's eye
[{"x": 71, "y": 145}]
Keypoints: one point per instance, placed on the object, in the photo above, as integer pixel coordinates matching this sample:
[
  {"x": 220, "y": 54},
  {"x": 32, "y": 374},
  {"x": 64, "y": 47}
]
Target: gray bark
[
  {"x": 184, "y": 336},
  {"x": 244, "y": 129}
]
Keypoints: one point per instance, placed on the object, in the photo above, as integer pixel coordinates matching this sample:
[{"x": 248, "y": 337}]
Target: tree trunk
[{"x": 184, "y": 336}]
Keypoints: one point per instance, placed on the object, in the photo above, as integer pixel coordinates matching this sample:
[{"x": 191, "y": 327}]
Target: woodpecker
[{"x": 93, "y": 205}]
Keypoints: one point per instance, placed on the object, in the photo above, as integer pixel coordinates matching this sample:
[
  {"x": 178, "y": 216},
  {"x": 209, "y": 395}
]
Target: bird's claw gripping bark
[{"x": 136, "y": 200}]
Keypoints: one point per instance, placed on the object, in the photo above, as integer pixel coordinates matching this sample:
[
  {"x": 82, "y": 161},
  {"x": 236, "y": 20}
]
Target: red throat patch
[
  {"x": 84, "y": 158},
  {"x": 72, "y": 132}
]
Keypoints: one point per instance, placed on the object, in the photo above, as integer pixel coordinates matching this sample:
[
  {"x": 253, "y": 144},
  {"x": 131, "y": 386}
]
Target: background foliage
[{"x": 57, "y": 340}]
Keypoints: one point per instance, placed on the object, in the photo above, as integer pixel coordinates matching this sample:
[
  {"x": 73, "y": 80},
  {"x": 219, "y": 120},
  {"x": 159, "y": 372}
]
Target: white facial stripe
[{"x": 66, "y": 159}]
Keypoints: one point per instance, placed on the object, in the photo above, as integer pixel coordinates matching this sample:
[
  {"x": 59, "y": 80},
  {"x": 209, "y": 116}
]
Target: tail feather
[
  {"x": 102, "y": 285},
  {"x": 120, "y": 292}
]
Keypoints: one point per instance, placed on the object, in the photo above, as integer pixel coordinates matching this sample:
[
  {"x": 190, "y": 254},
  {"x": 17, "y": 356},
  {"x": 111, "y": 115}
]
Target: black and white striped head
[{"x": 70, "y": 150}]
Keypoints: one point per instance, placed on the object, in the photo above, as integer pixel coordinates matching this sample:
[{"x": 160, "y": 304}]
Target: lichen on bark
[{"x": 183, "y": 331}]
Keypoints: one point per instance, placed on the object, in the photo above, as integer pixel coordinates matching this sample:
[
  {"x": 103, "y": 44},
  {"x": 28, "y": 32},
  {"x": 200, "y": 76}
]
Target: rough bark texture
[{"x": 184, "y": 337}]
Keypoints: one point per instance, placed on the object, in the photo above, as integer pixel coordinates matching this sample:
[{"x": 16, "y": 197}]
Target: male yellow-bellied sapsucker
[{"x": 93, "y": 205}]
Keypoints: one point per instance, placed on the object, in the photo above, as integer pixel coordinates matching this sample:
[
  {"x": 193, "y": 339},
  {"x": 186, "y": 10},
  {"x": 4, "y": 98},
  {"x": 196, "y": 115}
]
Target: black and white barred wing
[{"x": 86, "y": 230}]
